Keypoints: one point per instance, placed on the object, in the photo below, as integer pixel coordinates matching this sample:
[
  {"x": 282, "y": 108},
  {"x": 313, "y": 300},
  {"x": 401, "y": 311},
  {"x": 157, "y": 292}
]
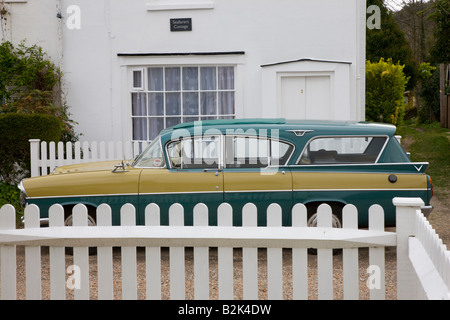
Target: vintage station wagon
[{"x": 239, "y": 161}]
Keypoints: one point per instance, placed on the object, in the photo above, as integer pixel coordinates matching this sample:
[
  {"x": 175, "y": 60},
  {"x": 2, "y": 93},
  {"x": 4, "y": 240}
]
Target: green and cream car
[{"x": 262, "y": 161}]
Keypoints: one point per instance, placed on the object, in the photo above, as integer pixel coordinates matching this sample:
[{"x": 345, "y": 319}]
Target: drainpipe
[{"x": 59, "y": 16}]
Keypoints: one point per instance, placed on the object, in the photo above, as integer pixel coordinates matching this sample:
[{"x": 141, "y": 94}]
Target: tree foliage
[
  {"x": 390, "y": 42},
  {"x": 30, "y": 84},
  {"x": 385, "y": 85},
  {"x": 15, "y": 131},
  {"x": 440, "y": 52}
]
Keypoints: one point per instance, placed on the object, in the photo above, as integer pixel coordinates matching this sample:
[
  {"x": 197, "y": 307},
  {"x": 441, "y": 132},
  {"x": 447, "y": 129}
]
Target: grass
[{"x": 429, "y": 143}]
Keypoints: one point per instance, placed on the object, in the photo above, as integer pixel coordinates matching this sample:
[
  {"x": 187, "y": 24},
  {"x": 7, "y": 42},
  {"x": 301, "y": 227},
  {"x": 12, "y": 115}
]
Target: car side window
[
  {"x": 342, "y": 150},
  {"x": 255, "y": 152},
  {"x": 194, "y": 153},
  {"x": 152, "y": 157}
]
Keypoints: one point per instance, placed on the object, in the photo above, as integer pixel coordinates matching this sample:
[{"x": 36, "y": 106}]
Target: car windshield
[{"x": 152, "y": 157}]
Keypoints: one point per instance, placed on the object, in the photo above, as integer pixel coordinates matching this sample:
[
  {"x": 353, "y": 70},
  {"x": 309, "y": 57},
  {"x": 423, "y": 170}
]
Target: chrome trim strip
[
  {"x": 299, "y": 132},
  {"x": 250, "y": 191},
  {"x": 226, "y": 191},
  {"x": 369, "y": 189},
  {"x": 357, "y": 164},
  {"x": 84, "y": 195}
]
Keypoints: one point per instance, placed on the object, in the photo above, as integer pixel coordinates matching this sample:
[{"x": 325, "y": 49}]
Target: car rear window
[{"x": 342, "y": 150}]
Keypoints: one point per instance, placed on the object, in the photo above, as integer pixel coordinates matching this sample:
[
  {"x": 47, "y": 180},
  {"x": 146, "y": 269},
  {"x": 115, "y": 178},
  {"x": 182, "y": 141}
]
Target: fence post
[
  {"x": 34, "y": 156},
  {"x": 7, "y": 255},
  {"x": 407, "y": 281}
]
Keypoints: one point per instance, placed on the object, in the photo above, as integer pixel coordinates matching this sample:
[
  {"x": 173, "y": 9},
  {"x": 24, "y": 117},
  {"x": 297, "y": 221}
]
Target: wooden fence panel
[
  {"x": 45, "y": 157},
  {"x": 57, "y": 257},
  {"x": 225, "y": 255},
  {"x": 105, "y": 257},
  {"x": 428, "y": 257},
  {"x": 176, "y": 256},
  {"x": 377, "y": 255},
  {"x": 80, "y": 269},
  {"x": 32, "y": 257},
  {"x": 324, "y": 257},
  {"x": 274, "y": 257},
  {"x": 249, "y": 256},
  {"x": 299, "y": 257},
  {"x": 153, "y": 256},
  {"x": 7, "y": 255},
  {"x": 201, "y": 257},
  {"x": 350, "y": 263},
  {"x": 128, "y": 253}
]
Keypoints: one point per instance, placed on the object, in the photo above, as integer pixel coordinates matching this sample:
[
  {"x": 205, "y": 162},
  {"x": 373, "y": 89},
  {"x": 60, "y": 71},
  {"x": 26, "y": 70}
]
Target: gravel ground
[{"x": 440, "y": 219}]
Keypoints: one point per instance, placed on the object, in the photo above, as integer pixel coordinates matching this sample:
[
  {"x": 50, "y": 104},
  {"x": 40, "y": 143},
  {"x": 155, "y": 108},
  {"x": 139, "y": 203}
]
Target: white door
[{"x": 306, "y": 97}]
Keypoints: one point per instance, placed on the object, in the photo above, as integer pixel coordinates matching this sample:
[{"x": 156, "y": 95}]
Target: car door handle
[{"x": 213, "y": 170}]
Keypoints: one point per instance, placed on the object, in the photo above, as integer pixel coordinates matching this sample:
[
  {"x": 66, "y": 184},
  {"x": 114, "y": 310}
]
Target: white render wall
[{"x": 267, "y": 31}]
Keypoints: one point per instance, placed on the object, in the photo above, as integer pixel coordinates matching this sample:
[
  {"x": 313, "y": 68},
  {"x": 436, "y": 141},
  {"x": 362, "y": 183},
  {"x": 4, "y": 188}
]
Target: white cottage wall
[{"x": 114, "y": 37}]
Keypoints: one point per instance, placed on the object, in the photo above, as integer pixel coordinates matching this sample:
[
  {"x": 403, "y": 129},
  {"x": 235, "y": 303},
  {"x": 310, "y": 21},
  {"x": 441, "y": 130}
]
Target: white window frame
[{"x": 144, "y": 89}]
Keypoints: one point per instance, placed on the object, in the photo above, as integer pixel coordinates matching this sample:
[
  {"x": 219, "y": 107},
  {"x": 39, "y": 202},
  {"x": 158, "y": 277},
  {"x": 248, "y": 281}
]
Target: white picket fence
[
  {"x": 46, "y": 156},
  {"x": 423, "y": 263}
]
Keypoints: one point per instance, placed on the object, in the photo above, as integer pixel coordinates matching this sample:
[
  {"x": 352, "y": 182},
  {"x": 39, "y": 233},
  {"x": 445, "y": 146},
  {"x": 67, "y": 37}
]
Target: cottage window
[{"x": 175, "y": 94}]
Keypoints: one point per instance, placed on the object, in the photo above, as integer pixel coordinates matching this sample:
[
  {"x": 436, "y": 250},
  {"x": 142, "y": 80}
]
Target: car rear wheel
[
  {"x": 68, "y": 222},
  {"x": 336, "y": 221}
]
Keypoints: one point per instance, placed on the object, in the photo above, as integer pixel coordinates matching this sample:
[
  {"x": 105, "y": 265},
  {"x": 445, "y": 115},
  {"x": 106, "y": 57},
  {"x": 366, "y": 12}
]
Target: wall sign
[{"x": 181, "y": 24}]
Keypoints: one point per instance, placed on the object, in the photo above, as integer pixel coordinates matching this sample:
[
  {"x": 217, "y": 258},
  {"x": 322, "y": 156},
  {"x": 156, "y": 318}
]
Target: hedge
[
  {"x": 385, "y": 85},
  {"x": 15, "y": 132}
]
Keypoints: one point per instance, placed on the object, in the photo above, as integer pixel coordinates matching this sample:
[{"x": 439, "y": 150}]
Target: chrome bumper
[
  {"x": 42, "y": 221},
  {"x": 426, "y": 210}
]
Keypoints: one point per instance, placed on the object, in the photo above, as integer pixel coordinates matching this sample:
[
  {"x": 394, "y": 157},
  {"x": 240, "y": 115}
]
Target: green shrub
[
  {"x": 15, "y": 132},
  {"x": 10, "y": 194},
  {"x": 385, "y": 85}
]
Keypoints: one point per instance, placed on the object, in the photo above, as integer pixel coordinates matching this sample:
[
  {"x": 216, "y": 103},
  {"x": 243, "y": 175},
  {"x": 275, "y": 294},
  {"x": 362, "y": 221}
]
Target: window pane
[
  {"x": 280, "y": 153},
  {"x": 139, "y": 128},
  {"x": 208, "y": 118},
  {"x": 138, "y": 104},
  {"x": 200, "y": 153},
  {"x": 173, "y": 104},
  {"x": 190, "y": 78},
  {"x": 226, "y": 102},
  {"x": 190, "y": 103},
  {"x": 155, "y": 127},
  {"x": 208, "y": 78},
  {"x": 341, "y": 150},
  {"x": 246, "y": 152},
  {"x": 137, "y": 79},
  {"x": 174, "y": 154},
  {"x": 155, "y": 79},
  {"x": 172, "y": 121},
  {"x": 156, "y": 104},
  {"x": 173, "y": 80},
  {"x": 226, "y": 78},
  {"x": 152, "y": 157},
  {"x": 208, "y": 103},
  {"x": 190, "y": 119}
]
